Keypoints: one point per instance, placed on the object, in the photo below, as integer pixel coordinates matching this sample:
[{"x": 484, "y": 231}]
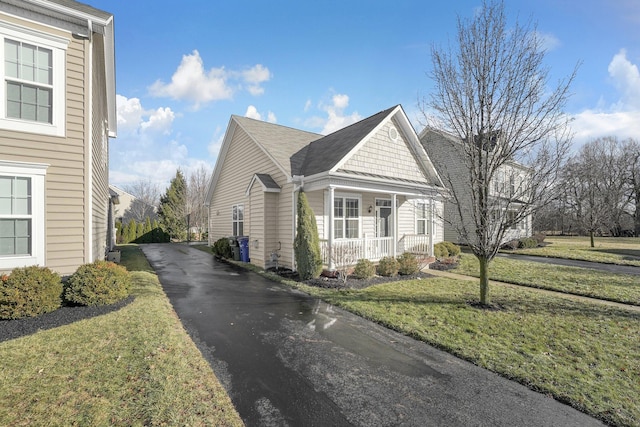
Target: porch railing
[{"x": 349, "y": 251}]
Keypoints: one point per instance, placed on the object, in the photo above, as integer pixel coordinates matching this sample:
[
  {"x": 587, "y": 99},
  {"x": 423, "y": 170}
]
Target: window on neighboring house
[
  {"x": 511, "y": 217},
  {"x": 21, "y": 214},
  {"x": 346, "y": 218},
  {"x": 238, "y": 220},
  {"x": 33, "y": 80},
  {"x": 512, "y": 185},
  {"x": 423, "y": 217}
]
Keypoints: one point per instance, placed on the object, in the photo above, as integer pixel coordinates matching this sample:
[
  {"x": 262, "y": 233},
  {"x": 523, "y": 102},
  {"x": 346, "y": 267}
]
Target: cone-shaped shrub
[
  {"x": 29, "y": 291},
  {"x": 98, "y": 283},
  {"x": 307, "y": 243}
]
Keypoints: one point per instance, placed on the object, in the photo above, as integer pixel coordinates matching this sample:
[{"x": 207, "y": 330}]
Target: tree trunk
[
  {"x": 484, "y": 280},
  {"x": 591, "y": 238}
]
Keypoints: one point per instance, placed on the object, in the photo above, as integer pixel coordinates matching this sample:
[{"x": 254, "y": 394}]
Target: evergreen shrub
[
  {"x": 388, "y": 267},
  {"x": 28, "y": 292},
  {"x": 98, "y": 283},
  {"x": 440, "y": 250},
  {"x": 452, "y": 248},
  {"x": 222, "y": 248},
  {"x": 407, "y": 264},
  {"x": 364, "y": 269},
  {"x": 306, "y": 245},
  {"x": 527, "y": 243}
]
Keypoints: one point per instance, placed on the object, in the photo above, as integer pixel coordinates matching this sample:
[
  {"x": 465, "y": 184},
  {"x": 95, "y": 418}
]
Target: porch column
[
  {"x": 432, "y": 224},
  {"x": 394, "y": 225},
  {"x": 330, "y": 228}
]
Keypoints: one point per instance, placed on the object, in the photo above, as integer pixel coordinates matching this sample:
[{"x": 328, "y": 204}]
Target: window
[
  {"x": 33, "y": 80},
  {"x": 21, "y": 214},
  {"x": 512, "y": 216},
  {"x": 346, "y": 218},
  {"x": 423, "y": 217},
  {"x": 238, "y": 220}
]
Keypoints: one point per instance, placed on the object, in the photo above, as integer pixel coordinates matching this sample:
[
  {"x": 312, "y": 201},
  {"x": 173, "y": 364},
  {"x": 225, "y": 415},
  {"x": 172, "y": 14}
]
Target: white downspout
[
  {"x": 294, "y": 215},
  {"x": 89, "y": 139},
  {"x": 394, "y": 212}
]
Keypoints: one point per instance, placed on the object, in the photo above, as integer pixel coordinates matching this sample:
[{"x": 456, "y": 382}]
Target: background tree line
[
  {"x": 599, "y": 191},
  {"x": 155, "y": 217}
]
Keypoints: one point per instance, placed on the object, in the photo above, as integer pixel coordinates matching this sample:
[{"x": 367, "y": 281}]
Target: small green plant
[
  {"x": 28, "y": 292},
  {"x": 452, "y": 248},
  {"x": 440, "y": 250},
  {"x": 388, "y": 267},
  {"x": 407, "y": 264},
  {"x": 222, "y": 248},
  {"x": 98, "y": 283},
  {"x": 527, "y": 243},
  {"x": 364, "y": 269}
]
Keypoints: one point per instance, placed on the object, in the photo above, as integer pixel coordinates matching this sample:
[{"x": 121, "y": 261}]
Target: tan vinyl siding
[
  {"x": 66, "y": 179},
  {"x": 285, "y": 225},
  {"x": 271, "y": 236},
  {"x": 243, "y": 159},
  {"x": 254, "y": 224}
]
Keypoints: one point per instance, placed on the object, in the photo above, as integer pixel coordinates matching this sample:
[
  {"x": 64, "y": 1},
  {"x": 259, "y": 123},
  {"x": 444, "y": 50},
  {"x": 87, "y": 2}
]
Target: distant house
[
  {"x": 447, "y": 154},
  {"x": 371, "y": 185},
  {"x": 56, "y": 116}
]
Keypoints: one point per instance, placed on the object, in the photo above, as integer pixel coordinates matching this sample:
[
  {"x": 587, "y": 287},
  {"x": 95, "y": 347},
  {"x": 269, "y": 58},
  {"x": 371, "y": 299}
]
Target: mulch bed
[{"x": 10, "y": 329}]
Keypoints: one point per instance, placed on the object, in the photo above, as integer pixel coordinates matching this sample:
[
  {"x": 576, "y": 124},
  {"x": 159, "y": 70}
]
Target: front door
[{"x": 383, "y": 218}]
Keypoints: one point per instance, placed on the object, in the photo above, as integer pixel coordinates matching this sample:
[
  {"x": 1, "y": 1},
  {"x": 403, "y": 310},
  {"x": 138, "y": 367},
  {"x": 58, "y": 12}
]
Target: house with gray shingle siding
[
  {"x": 371, "y": 186},
  {"x": 447, "y": 153}
]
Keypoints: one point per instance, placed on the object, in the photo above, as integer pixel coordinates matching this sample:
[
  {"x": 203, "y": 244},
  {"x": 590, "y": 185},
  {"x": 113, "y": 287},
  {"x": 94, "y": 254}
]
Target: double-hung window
[
  {"x": 237, "y": 219},
  {"x": 423, "y": 218},
  {"x": 33, "y": 80},
  {"x": 346, "y": 217},
  {"x": 21, "y": 214}
]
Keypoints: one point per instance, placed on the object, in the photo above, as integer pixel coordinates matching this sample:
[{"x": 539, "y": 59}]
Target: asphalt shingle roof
[
  {"x": 323, "y": 154},
  {"x": 267, "y": 181},
  {"x": 82, "y": 7}
]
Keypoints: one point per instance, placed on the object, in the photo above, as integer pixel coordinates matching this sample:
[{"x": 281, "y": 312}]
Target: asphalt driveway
[{"x": 289, "y": 359}]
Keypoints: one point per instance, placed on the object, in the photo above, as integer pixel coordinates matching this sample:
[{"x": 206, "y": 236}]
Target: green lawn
[
  {"x": 136, "y": 366},
  {"x": 579, "y": 281},
  {"x": 611, "y": 250},
  {"x": 587, "y": 355}
]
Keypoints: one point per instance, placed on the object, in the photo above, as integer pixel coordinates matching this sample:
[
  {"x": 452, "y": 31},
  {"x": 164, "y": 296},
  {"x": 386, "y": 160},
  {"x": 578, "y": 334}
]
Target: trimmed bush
[
  {"x": 387, "y": 267},
  {"x": 440, "y": 250},
  {"x": 452, "y": 248},
  {"x": 407, "y": 264},
  {"x": 222, "y": 248},
  {"x": 364, "y": 269},
  {"x": 540, "y": 237},
  {"x": 306, "y": 246},
  {"x": 527, "y": 243},
  {"x": 28, "y": 292},
  {"x": 98, "y": 283}
]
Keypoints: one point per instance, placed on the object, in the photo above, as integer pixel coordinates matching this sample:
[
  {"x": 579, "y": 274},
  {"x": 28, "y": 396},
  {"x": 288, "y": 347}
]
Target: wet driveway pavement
[{"x": 289, "y": 359}]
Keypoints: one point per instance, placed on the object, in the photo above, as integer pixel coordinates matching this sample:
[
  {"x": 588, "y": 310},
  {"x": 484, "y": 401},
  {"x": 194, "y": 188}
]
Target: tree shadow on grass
[{"x": 628, "y": 254}]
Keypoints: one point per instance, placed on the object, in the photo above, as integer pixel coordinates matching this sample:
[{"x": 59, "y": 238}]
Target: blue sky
[{"x": 184, "y": 67}]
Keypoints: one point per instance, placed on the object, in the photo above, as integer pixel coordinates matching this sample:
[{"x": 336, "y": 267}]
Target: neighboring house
[
  {"x": 446, "y": 152},
  {"x": 371, "y": 185},
  {"x": 125, "y": 201},
  {"x": 56, "y": 116}
]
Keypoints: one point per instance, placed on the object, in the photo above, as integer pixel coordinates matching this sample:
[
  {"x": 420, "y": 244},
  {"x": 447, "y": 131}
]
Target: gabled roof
[
  {"x": 325, "y": 153},
  {"x": 277, "y": 141},
  {"x": 269, "y": 185}
]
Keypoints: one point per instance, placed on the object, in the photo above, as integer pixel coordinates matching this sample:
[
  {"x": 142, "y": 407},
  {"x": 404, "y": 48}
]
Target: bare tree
[
  {"x": 631, "y": 152},
  {"x": 492, "y": 92},
  {"x": 196, "y": 193},
  {"x": 147, "y": 194}
]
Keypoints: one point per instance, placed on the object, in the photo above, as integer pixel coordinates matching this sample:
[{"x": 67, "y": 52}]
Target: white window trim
[
  {"x": 237, "y": 221},
  {"x": 37, "y": 172},
  {"x": 344, "y": 207},
  {"x": 58, "y": 46},
  {"x": 428, "y": 221}
]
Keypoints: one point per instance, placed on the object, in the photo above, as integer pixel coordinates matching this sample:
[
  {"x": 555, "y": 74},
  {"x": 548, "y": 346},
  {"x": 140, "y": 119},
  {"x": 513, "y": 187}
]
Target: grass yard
[
  {"x": 136, "y": 366},
  {"x": 579, "y": 281},
  {"x": 586, "y": 355},
  {"x": 611, "y": 250}
]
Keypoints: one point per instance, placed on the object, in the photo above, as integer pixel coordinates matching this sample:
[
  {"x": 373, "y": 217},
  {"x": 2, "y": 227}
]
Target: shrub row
[
  {"x": 525, "y": 242},
  {"x": 32, "y": 291},
  {"x": 445, "y": 250},
  {"x": 404, "y": 264}
]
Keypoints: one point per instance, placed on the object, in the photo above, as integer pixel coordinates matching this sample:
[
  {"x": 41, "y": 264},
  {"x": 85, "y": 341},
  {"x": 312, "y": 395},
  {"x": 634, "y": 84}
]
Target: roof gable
[{"x": 327, "y": 153}]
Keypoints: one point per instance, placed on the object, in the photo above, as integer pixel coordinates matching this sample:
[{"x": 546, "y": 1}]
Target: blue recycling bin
[{"x": 244, "y": 248}]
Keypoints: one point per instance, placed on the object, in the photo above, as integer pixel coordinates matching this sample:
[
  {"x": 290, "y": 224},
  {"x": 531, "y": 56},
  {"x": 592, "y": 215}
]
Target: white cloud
[
  {"x": 548, "y": 41},
  {"x": 307, "y": 105},
  {"x": 626, "y": 78},
  {"x": 253, "y": 113},
  {"x": 191, "y": 82},
  {"x": 620, "y": 119},
  {"x": 135, "y": 120},
  {"x": 254, "y": 77},
  {"x": 216, "y": 143},
  {"x": 336, "y": 117}
]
